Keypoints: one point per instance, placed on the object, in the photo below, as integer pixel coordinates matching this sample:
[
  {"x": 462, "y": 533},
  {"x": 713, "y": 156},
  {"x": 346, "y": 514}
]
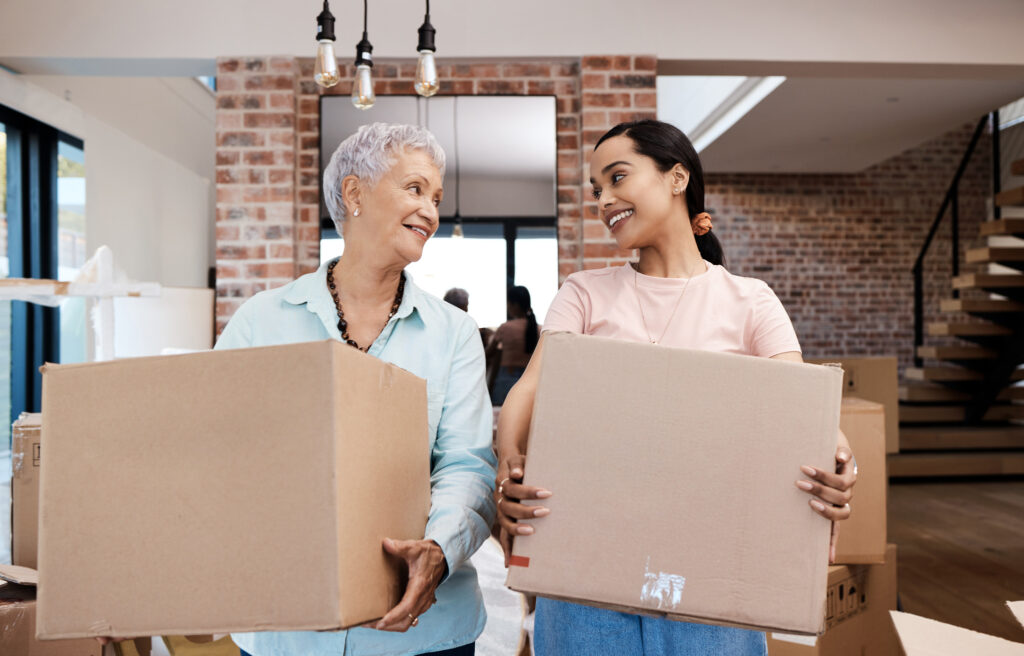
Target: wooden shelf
[
  {"x": 988, "y": 281},
  {"x": 980, "y": 305},
  {"x": 1002, "y": 227},
  {"x": 956, "y": 353},
  {"x": 1010, "y": 197},
  {"x": 995, "y": 254}
]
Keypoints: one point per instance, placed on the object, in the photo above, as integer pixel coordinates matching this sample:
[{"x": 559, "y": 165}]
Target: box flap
[
  {"x": 19, "y": 575},
  {"x": 924, "y": 637},
  {"x": 1017, "y": 608}
]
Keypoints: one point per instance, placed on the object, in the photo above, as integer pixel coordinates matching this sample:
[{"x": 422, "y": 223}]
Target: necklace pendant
[{"x": 654, "y": 341}]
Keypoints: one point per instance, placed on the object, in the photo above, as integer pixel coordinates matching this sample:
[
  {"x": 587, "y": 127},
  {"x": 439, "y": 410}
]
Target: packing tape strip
[{"x": 518, "y": 561}]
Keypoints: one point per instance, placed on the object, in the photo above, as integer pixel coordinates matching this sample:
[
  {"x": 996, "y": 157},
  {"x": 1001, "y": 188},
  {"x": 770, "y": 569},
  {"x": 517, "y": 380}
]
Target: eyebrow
[{"x": 610, "y": 166}]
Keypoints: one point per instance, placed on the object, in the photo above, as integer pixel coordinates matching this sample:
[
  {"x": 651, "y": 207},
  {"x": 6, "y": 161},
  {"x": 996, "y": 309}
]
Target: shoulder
[
  {"x": 592, "y": 279},
  {"x": 440, "y": 314},
  {"x": 742, "y": 286}
]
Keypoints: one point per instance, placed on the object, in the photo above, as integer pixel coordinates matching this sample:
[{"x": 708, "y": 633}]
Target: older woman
[{"x": 383, "y": 187}]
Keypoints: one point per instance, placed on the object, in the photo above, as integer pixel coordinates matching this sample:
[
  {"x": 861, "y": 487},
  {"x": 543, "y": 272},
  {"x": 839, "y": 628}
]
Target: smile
[
  {"x": 419, "y": 231},
  {"x": 618, "y": 217}
]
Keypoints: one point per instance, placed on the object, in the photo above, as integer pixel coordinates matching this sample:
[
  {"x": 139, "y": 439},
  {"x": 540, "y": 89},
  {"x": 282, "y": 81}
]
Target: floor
[{"x": 961, "y": 551}]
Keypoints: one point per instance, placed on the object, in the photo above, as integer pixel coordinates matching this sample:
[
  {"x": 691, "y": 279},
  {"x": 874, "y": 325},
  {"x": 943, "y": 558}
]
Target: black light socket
[
  {"x": 325, "y": 24},
  {"x": 427, "y": 33},
  {"x": 364, "y": 52}
]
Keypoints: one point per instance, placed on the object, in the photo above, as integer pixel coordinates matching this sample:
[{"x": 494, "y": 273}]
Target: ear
[
  {"x": 351, "y": 193},
  {"x": 679, "y": 177}
]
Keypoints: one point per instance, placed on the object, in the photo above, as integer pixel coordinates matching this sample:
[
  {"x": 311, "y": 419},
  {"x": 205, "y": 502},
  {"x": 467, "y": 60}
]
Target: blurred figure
[
  {"x": 457, "y": 297},
  {"x": 514, "y": 342},
  {"x": 460, "y": 298}
]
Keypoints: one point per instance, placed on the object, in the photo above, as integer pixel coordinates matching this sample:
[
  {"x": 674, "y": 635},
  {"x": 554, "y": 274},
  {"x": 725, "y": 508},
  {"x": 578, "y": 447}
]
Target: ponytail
[
  {"x": 520, "y": 296},
  {"x": 532, "y": 336}
]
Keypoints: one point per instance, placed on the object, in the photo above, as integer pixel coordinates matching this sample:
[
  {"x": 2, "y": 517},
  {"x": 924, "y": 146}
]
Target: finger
[
  {"x": 516, "y": 466},
  {"x": 511, "y": 490},
  {"x": 521, "y": 511},
  {"x": 511, "y": 527},
  {"x": 843, "y": 455},
  {"x": 505, "y": 540},
  {"x": 833, "y": 539},
  {"x": 828, "y": 511},
  {"x": 843, "y": 480},
  {"x": 827, "y": 494},
  {"x": 398, "y": 618}
]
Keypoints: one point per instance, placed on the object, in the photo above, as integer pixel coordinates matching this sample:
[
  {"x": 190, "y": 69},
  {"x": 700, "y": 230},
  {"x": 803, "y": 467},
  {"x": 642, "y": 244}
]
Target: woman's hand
[
  {"x": 509, "y": 491},
  {"x": 427, "y": 567},
  {"x": 831, "y": 491}
]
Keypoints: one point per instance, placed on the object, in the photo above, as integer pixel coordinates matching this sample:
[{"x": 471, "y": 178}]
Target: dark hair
[
  {"x": 457, "y": 297},
  {"x": 667, "y": 146},
  {"x": 520, "y": 296}
]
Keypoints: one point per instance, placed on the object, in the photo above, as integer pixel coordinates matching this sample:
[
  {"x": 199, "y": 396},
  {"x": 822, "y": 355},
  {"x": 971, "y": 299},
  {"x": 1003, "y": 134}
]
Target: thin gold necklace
[{"x": 671, "y": 316}]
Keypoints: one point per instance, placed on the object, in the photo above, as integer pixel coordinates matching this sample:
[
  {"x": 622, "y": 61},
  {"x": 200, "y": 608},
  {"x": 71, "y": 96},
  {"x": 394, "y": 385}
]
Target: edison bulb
[
  {"x": 362, "y": 88},
  {"x": 326, "y": 73},
  {"x": 427, "y": 83}
]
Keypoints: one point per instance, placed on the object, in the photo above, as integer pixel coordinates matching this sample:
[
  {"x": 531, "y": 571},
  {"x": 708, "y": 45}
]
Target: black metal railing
[{"x": 951, "y": 201}]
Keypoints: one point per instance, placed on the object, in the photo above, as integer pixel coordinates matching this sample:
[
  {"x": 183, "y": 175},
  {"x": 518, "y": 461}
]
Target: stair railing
[{"x": 951, "y": 201}]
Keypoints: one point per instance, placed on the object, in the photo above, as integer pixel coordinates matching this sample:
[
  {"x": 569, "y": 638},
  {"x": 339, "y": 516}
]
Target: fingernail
[
  {"x": 543, "y": 494},
  {"x": 517, "y": 472},
  {"x": 844, "y": 456},
  {"x": 541, "y": 512},
  {"x": 804, "y": 485},
  {"x": 525, "y": 530},
  {"x": 380, "y": 625},
  {"x": 817, "y": 505},
  {"x": 810, "y": 471}
]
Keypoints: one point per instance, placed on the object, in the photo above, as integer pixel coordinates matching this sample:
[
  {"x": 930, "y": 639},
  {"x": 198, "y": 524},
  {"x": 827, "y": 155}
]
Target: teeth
[
  {"x": 418, "y": 230},
  {"x": 618, "y": 217}
]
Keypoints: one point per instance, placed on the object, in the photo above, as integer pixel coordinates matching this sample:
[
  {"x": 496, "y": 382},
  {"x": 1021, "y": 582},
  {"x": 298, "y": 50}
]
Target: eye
[
  {"x": 415, "y": 188},
  {"x": 596, "y": 193},
  {"x": 437, "y": 202},
  {"x": 616, "y": 177}
]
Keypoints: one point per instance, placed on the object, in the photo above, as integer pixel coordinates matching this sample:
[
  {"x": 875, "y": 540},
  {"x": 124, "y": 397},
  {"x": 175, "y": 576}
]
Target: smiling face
[
  {"x": 399, "y": 213},
  {"x": 636, "y": 201}
]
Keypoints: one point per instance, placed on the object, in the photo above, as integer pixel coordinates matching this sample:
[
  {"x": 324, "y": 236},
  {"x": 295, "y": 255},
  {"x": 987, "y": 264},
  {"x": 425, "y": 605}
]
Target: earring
[
  {"x": 356, "y": 213},
  {"x": 676, "y": 191}
]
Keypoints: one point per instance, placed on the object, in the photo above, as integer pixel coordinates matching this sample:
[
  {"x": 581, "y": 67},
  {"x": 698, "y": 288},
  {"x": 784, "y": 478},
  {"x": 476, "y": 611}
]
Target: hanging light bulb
[
  {"x": 427, "y": 83},
  {"x": 457, "y": 230},
  {"x": 362, "y": 87},
  {"x": 326, "y": 72}
]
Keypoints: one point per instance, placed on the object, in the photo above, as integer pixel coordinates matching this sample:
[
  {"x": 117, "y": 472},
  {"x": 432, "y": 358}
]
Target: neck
[
  {"x": 673, "y": 256},
  {"x": 362, "y": 280}
]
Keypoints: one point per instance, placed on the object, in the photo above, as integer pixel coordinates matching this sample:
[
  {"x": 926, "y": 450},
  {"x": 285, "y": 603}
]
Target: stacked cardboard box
[{"x": 18, "y": 620}]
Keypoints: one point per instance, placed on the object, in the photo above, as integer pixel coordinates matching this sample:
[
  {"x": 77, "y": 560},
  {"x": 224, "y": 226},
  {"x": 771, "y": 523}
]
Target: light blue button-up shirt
[{"x": 441, "y": 344}]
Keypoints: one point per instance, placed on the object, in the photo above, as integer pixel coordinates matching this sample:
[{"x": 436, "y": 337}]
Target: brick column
[
  {"x": 256, "y": 178},
  {"x": 615, "y": 89}
]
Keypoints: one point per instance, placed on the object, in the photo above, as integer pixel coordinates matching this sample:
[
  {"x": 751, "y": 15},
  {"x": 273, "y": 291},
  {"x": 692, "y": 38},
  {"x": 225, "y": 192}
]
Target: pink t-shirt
[{"x": 718, "y": 311}]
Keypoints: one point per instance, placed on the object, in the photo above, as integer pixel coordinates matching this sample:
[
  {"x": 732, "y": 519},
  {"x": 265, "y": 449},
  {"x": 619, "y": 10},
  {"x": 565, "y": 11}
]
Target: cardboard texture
[
  {"x": 18, "y": 628},
  {"x": 856, "y": 614},
  {"x": 25, "y": 458},
  {"x": 873, "y": 379},
  {"x": 672, "y": 474},
  {"x": 924, "y": 637},
  {"x": 862, "y": 537},
  {"x": 256, "y": 485}
]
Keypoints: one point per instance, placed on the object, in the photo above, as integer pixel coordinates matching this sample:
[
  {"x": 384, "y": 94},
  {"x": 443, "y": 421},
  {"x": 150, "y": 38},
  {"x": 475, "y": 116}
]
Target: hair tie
[{"x": 701, "y": 224}]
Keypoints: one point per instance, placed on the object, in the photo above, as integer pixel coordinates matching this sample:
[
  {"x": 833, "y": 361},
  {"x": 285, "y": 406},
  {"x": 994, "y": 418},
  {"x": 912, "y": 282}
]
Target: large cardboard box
[
  {"x": 920, "y": 636},
  {"x": 672, "y": 474},
  {"x": 862, "y": 537},
  {"x": 856, "y": 615},
  {"x": 873, "y": 379},
  {"x": 25, "y": 459},
  {"x": 226, "y": 491},
  {"x": 18, "y": 622}
]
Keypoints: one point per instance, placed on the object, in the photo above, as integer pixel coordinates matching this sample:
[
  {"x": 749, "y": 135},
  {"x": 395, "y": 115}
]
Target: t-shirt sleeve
[
  {"x": 772, "y": 331},
  {"x": 567, "y": 311}
]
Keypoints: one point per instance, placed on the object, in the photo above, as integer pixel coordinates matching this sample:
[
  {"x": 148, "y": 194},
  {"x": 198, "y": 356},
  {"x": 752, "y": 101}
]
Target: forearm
[{"x": 514, "y": 422}]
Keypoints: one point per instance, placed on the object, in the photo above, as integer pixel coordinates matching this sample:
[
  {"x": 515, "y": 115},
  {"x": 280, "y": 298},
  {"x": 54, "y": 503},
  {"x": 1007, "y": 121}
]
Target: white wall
[
  {"x": 117, "y": 33},
  {"x": 155, "y": 213}
]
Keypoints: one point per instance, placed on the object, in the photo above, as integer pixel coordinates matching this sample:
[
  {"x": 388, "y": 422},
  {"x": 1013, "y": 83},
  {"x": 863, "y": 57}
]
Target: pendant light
[
  {"x": 326, "y": 73},
  {"x": 427, "y": 83},
  {"x": 457, "y": 228},
  {"x": 362, "y": 87}
]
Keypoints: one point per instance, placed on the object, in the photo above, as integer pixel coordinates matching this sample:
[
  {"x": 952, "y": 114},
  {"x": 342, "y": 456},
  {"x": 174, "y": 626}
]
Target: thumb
[
  {"x": 393, "y": 546},
  {"x": 516, "y": 465}
]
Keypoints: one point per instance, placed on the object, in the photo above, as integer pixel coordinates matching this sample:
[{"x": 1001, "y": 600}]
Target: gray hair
[{"x": 369, "y": 154}]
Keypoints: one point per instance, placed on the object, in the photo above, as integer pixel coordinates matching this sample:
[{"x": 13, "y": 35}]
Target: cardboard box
[
  {"x": 856, "y": 615},
  {"x": 924, "y": 637},
  {"x": 18, "y": 624},
  {"x": 25, "y": 454},
  {"x": 873, "y": 379},
  {"x": 672, "y": 474},
  {"x": 244, "y": 490},
  {"x": 862, "y": 537}
]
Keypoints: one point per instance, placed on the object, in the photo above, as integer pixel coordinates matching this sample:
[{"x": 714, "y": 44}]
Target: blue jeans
[
  {"x": 464, "y": 650},
  {"x": 565, "y": 629}
]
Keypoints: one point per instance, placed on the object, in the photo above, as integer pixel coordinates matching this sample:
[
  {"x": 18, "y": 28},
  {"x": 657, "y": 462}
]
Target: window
[
  {"x": 5, "y": 306},
  {"x": 71, "y": 251}
]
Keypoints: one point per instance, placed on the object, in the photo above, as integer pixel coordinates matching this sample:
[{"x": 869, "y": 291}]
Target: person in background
[
  {"x": 514, "y": 341},
  {"x": 457, "y": 297},
  {"x": 649, "y": 186},
  {"x": 460, "y": 298}
]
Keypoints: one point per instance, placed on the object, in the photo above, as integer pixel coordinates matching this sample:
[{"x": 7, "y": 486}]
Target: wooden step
[
  {"x": 988, "y": 281},
  {"x": 941, "y": 374},
  {"x": 1010, "y": 197},
  {"x": 956, "y": 353},
  {"x": 947, "y": 438},
  {"x": 995, "y": 254},
  {"x": 1017, "y": 168},
  {"x": 1002, "y": 227},
  {"x": 927, "y": 393},
  {"x": 923, "y": 414},
  {"x": 984, "y": 463},
  {"x": 957, "y": 329},
  {"x": 980, "y": 305}
]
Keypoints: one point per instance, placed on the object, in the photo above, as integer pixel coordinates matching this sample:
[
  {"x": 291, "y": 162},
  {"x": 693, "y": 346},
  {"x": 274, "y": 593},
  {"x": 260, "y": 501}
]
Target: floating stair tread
[
  {"x": 1002, "y": 227},
  {"x": 988, "y": 280},
  {"x": 920, "y": 392},
  {"x": 1017, "y": 168},
  {"x": 986, "y": 463},
  {"x": 995, "y": 254},
  {"x": 920, "y": 414},
  {"x": 956, "y": 353},
  {"x": 957, "y": 329},
  {"x": 1010, "y": 197},
  {"x": 980, "y": 305},
  {"x": 946, "y": 438},
  {"x": 941, "y": 373}
]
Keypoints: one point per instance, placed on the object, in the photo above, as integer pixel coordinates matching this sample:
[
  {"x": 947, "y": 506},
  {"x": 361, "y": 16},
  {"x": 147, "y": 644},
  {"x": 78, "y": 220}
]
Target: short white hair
[{"x": 369, "y": 154}]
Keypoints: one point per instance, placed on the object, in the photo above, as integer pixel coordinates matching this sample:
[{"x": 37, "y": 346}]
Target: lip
[
  {"x": 618, "y": 224},
  {"x": 414, "y": 229}
]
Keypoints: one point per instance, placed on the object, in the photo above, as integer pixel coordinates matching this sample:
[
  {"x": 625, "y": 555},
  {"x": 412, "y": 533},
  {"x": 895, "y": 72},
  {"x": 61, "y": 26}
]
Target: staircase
[{"x": 960, "y": 411}]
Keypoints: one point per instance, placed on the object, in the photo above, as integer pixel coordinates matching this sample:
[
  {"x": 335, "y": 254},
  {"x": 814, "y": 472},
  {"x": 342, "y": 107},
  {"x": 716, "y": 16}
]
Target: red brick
[
  {"x": 281, "y": 138},
  {"x": 597, "y": 63},
  {"x": 645, "y": 63},
  {"x": 631, "y": 81},
  {"x": 475, "y": 70},
  {"x": 269, "y": 82},
  {"x": 227, "y": 233},
  {"x": 227, "y": 65},
  {"x": 456, "y": 87},
  {"x": 227, "y": 272},
  {"x": 595, "y": 81},
  {"x": 269, "y": 120},
  {"x": 606, "y": 100},
  {"x": 258, "y": 157},
  {"x": 240, "y": 139},
  {"x": 645, "y": 100},
  {"x": 526, "y": 70},
  {"x": 228, "y": 83},
  {"x": 592, "y": 119},
  {"x": 284, "y": 64},
  {"x": 281, "y": 251},
  {"x": 254, "y": 64},
  {"x": 226, "y": 252},
  {"x": 622, "y": 63},
  {"x": 540, "y": 87}
]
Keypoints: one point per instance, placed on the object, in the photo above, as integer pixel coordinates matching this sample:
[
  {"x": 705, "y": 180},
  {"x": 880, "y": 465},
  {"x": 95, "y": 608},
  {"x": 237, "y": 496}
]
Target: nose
[
  {"x": 605, "y": 200},
  {"x": 431, "y": 213}
]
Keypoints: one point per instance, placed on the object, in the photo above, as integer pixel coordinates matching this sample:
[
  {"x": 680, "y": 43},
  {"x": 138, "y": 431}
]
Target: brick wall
[{"x": 839, "y": 249}]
